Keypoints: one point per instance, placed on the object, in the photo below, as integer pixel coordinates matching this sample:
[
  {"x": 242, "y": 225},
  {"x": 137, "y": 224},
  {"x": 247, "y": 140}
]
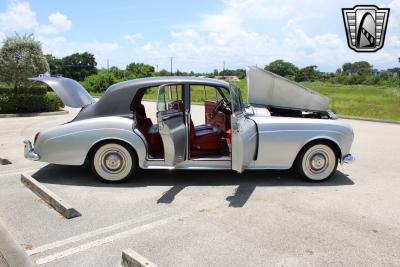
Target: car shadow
[{"x": 179, "y": 179}]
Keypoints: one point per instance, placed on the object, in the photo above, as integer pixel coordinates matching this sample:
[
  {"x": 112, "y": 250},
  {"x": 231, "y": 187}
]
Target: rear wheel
[
  {"x": 113, "y": 162},
  {"x": 317, "y": 162}
]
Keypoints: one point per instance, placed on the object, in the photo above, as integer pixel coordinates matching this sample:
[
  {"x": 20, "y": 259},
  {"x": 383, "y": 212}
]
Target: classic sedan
[{"x": 283, "y": 126}]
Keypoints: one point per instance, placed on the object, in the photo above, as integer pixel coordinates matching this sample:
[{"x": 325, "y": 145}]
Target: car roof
[
  {"x": 155, "y": 81},
  {"x": 118, "y": 98}
]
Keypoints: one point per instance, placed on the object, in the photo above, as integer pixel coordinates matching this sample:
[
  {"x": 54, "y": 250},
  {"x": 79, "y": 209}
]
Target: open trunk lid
[
  {"x": 71, "y": 93},
  {"x": 267, "y": 88}
]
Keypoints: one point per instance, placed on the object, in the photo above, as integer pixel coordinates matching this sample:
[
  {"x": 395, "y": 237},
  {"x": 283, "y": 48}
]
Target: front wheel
[
  {"x": 113, "y": 162},
  {"x": 317, "y": 162}
]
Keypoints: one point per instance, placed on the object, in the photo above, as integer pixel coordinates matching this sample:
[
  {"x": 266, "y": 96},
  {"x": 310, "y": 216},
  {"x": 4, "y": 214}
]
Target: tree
[
  {"x": 385, "y": 75},
  {"x": 118, "y": 73},
  {"x": 241, "y": 73},
  {"x": 362, "y": 68},
  {"x": 55, "y": 64},
  {"x": 140, "y": 70},
  {"x": 79, "y": 66},
  {"x": 99, "y": 82},
  {"x": 309, "y": 73},
  {"x": 282, "y": 68},
  {"x": 359, "y": 67},
  {"x": 21, "y": 57},
  {"x": 164, "y": 72}
]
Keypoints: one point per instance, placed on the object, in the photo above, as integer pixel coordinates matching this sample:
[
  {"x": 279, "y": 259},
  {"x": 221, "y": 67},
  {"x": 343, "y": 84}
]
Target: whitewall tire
[
  {"x": 317, "y": 162},
  {"x": 113, "y": 162}
]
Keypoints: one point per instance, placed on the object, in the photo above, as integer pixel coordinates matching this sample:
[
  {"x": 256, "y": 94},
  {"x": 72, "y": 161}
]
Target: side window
[{"x": 170, "y": 98}]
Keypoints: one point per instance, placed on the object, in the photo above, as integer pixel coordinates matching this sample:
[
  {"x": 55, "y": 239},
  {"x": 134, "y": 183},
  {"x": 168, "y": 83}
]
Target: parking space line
[
  {"x": 105, "y": 240},
  {"x": 91, "y": 234},
  {"x": 18, "y": 172}
]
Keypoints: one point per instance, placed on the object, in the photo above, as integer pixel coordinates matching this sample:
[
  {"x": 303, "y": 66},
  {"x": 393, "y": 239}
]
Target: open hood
[
  {"x": 71, "y": 93},
  {"x": 267, "y": 88}
]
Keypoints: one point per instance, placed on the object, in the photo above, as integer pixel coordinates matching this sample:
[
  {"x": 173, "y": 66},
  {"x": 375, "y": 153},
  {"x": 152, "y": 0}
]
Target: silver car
[{"x": 284, "y": 125}]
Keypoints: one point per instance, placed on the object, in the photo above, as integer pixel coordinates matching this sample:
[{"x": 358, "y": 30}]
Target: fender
[{"x": 70, "y": 143}]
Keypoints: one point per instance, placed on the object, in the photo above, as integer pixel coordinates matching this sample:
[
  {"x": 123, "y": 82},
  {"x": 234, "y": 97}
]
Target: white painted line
[
  {"x": 49, "y": 197},
  {"x": 103, "y": 241},
  {"x": 88, "y": 235},
  {"x": 131, "y": 258},
  {"x": 18, "y": 172}
]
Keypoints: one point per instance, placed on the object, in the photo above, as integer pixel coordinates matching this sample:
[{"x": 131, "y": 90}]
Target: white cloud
[
  {"x": 58, "y": 23},
  {"x": 242, "y": 32},
  {"x": 235, "y": 35},
  {"x": 60, "y": 47},
  {"x": 18, "y": 17},
  {"x": 133, "y": 37}
]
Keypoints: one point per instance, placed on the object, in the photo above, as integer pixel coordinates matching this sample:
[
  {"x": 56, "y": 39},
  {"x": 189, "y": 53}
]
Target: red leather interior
[
  {"x": 205, "y": 139},
  {"x": 219, "y": 120},
  {"x": 228, "y": 137}
]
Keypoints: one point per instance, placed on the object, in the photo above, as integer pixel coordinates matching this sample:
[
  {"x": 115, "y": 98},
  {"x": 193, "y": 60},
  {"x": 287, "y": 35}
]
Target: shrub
[
  {"x": 32, "y": 90},
  {"x": 99, "y": 82},
  {"x": 25, "y": 103}
]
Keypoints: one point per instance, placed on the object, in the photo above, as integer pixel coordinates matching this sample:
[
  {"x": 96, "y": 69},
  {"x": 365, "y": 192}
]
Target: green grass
[{"x": 378, "y": 102}]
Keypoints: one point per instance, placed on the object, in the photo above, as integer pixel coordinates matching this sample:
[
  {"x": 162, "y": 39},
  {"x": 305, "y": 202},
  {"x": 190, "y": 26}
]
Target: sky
[{"x": 198, "y": 35}]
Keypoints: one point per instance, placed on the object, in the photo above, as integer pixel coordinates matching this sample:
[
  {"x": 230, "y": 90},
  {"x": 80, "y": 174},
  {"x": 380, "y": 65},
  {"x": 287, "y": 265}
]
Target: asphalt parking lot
[{"x": 209, "y": 218}]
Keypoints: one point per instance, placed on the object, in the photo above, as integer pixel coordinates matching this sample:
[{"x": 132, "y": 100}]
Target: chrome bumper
[
  {"x": 29, "y": 152},
  {"x": 349, "y": 158}
]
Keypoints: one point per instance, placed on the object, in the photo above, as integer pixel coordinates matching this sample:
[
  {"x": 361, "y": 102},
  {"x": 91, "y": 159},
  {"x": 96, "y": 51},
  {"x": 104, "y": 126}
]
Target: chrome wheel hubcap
[
  {"x": 113, "y": 161},
  {"x": 318, "y": 162}
]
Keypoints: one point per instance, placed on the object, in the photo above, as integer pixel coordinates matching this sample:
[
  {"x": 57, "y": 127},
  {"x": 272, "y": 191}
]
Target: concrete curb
[
  {"x": 367, "y": 119},
  {"x": 11, "y": 251},
  {"x": 61, "y": 112},
  {"x": 49, "y": 197},
  {"x": 4, "y": 160},
  {"x": 131, "y": 258}
]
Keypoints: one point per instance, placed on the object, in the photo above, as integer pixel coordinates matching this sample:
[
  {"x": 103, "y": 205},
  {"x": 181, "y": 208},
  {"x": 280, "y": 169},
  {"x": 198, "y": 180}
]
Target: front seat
[{"x": 205, "y": 140}]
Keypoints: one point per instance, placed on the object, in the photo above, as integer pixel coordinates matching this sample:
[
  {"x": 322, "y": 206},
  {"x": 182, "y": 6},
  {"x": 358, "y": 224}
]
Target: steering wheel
[{"x": 219, "y": 106}]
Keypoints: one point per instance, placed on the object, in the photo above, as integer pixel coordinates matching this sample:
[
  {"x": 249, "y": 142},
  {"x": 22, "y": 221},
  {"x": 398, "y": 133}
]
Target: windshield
[{"x": 236, "y": 99}]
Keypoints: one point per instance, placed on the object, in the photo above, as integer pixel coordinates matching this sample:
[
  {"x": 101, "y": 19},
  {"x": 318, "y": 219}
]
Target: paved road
[{"x": 203, "y": 218}]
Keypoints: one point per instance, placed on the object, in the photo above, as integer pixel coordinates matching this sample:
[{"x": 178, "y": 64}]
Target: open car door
[
  {"x": 244, "y": 135},
  {"x": 171, "y": 123}
]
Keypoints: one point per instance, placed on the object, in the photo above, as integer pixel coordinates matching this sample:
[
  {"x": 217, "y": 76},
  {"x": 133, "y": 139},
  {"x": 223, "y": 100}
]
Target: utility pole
[
  {"x": 223, "y": 65},
  {"x": 171, "y": 66},
  {"x": 108, "y": 65}
]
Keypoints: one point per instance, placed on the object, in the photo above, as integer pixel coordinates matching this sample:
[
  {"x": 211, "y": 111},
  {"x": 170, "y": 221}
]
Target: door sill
[{"x": 215, "y": 158}]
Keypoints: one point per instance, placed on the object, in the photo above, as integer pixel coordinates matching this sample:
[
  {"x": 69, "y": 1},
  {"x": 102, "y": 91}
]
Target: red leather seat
[
  {"x": 155, "y": 142},
  {"x": 205, "y": 139}
]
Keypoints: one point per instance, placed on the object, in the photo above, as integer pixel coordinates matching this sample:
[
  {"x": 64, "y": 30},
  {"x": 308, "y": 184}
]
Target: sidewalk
[{"x": 11, "y": 254}]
